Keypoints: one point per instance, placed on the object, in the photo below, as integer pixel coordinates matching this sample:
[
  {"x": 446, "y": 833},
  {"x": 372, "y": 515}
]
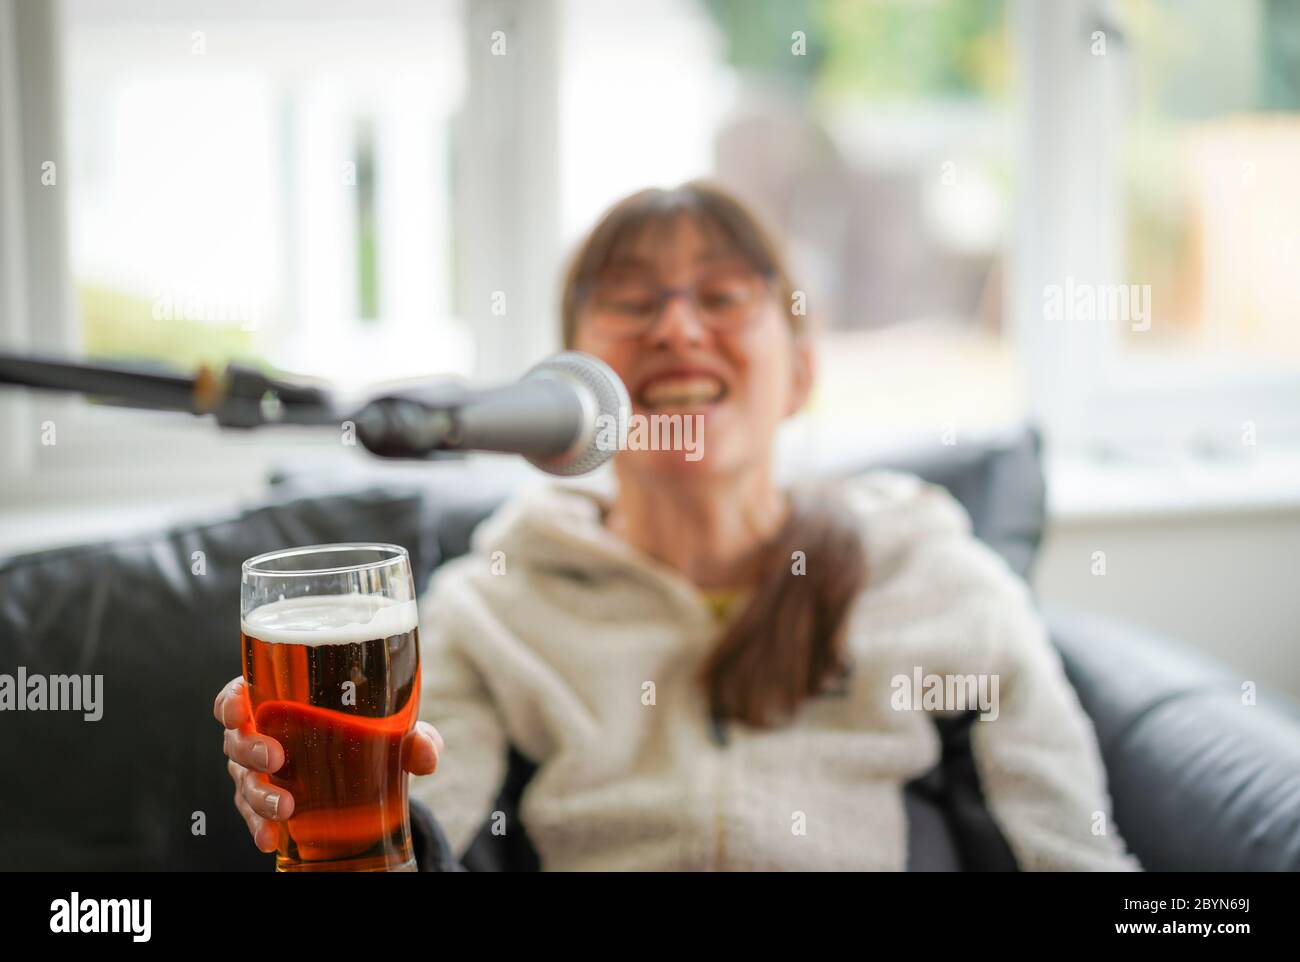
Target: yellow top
[{"x": 725, "y": 602}]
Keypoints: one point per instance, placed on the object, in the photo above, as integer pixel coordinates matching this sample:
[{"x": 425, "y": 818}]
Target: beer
[{"x": 335, "y": 679}]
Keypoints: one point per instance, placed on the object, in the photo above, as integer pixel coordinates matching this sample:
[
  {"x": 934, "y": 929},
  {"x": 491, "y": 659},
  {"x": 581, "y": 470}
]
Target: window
[
  {"x": 267, "y": 183},
  {"x": 1211, "y": 206},
  {"x": 1158, "y": 278},
  {"x": 263, "y": 183}
]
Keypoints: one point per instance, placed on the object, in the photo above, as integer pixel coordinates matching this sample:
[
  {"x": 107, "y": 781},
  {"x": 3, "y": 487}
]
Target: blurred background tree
[{"x": 873, "y": 49}]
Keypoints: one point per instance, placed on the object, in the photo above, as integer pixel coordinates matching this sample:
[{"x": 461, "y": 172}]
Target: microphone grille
[{"x": 611, "y": 406}]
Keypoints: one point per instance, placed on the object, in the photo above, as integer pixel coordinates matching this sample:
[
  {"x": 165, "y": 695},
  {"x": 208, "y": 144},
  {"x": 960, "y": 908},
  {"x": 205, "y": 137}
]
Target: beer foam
[{"x": 330, "y": 619}]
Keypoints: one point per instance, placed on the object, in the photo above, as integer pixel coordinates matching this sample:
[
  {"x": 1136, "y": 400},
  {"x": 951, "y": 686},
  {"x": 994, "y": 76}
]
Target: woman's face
[{"x": 736, "y": 380}]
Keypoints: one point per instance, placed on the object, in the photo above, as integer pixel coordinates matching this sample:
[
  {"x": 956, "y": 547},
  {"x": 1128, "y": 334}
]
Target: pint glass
[{"x": 331, "y": 657}]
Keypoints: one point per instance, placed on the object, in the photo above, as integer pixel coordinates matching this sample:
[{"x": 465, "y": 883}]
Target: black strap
[
  {"x": 513, "y": 851},
  {"x": 953, "y": 787}
]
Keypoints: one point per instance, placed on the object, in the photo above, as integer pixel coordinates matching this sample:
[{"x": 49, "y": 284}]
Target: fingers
[
  {"x": 246, "y": 748},
  {"x": 269, "y": 801},
  {"x": 261, "y": 803},
  {"x": 421, "y": 749},
  {"x": 258, "y": 752},
  {"x": 265, "y": 834},
  {"x": 231, "y": 706}
]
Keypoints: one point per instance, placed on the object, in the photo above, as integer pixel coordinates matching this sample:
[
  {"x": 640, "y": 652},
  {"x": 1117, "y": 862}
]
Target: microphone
[{"x": 564, "y": 416}]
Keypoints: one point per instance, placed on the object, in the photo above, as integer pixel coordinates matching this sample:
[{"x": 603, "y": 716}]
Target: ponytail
[{"x": 788, "y": 643}]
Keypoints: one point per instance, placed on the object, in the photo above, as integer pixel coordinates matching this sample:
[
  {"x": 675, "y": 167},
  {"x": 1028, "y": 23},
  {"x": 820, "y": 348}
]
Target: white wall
[{"x": 1225, "y": 583}]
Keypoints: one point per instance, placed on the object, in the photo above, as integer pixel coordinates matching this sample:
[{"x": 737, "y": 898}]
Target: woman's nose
[{"x": 678, "y": 321}]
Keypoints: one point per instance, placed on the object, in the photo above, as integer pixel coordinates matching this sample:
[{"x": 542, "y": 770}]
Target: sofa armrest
[{"x": 1201, "y": 778}]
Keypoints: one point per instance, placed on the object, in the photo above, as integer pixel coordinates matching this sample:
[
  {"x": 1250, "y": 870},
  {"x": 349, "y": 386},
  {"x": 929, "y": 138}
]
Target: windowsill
[{"x": 1085, "y": 489}]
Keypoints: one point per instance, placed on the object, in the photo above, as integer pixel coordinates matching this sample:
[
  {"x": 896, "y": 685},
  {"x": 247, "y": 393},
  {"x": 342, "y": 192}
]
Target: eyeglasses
[{"x": 724, "y": 301}]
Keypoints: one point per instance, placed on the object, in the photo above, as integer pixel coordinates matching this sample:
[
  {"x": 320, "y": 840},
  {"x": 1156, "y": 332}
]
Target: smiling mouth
[{"x": 682, "y": 391}]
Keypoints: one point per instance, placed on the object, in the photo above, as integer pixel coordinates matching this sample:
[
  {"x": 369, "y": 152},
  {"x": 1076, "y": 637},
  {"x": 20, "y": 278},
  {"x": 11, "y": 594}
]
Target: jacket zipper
[{"x": 719, "y": 735}]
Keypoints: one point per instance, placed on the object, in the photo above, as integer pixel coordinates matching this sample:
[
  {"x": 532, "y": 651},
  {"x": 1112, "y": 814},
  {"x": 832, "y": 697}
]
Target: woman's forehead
[{"x": 664, "y": 244}]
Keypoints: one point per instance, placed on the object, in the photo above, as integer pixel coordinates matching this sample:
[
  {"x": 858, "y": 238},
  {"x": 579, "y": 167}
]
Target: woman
[{"x": 709, "y": 671}]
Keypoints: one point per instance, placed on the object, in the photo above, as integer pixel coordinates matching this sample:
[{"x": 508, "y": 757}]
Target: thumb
[{"x": 421, "y": 749}]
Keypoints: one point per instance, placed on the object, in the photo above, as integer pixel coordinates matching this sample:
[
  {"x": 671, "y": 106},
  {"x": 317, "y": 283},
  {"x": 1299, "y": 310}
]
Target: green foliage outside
[
  {"x": 120, "y": 326},
  {"x": 870, "y": 49}
]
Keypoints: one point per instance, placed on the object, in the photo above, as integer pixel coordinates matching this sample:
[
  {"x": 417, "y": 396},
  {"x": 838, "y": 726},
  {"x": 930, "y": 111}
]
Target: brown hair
[{"x": 787, "y": 644}]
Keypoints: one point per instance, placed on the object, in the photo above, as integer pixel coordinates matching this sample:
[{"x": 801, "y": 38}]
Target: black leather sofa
[{"x": 1200, "y": 781}]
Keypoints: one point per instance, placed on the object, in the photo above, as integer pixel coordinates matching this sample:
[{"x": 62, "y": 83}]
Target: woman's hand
[{"x": 253, "y": 757}]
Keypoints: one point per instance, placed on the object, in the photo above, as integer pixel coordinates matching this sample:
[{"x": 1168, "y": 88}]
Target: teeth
[{"x": 682, "y": 391}]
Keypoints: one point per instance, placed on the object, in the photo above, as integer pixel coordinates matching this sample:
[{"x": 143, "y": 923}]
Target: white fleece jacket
[{"x": 555, "y": 636}]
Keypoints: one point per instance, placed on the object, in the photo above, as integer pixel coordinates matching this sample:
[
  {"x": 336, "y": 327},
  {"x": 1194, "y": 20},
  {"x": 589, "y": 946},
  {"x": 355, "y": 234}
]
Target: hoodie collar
[{"x": 563, "y": 523}]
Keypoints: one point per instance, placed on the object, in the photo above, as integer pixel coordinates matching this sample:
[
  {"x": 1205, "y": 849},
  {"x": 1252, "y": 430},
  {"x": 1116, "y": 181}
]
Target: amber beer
[{"x": 335, "y": 679}]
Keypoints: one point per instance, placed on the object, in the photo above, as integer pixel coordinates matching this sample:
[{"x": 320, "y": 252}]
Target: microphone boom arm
[{"x": 239, "y": 397}]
